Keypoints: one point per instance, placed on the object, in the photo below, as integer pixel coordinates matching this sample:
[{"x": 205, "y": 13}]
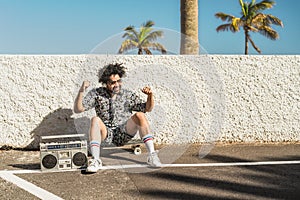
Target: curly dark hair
[{"x": 109, "y": 70}]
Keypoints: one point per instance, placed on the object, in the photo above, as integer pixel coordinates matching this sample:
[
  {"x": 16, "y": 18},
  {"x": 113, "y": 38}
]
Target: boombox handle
[{"x": 61, "y": 136}]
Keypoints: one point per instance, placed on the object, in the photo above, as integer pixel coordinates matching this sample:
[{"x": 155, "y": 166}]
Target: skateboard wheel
[{"x": 137, "y": 151}]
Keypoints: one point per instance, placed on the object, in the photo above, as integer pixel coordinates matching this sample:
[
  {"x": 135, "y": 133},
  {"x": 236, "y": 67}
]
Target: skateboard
[{"x": 134, "y": 146}]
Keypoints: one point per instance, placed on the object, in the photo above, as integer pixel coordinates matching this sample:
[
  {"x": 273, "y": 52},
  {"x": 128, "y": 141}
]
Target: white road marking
[
  {"x": 125, "y": 166},
  {"x": 208, "y": 164},
  {"x": 236, "y": 164},
  {"x": 27, "y": 186},
  {"x": 24, "y": 171},
  {"x": 8, "y": 175}
]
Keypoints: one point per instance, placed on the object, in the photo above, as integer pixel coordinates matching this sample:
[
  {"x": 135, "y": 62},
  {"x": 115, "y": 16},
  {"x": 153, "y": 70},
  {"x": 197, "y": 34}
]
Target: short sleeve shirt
[{"x": 113, "y": 112}]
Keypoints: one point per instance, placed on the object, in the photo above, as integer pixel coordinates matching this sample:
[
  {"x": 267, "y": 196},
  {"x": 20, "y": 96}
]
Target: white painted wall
[{"x": 207, "y": 98}]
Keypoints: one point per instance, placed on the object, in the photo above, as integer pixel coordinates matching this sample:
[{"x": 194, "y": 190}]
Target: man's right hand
[
  {"x": 84, "y": 86},
  {"x": 78, "y": 107}
]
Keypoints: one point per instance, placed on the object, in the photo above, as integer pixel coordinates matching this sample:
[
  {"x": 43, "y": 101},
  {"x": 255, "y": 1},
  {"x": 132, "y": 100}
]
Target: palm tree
[
  {"x": 189, "y": 27},
  {"x": 252, "y": 20},
  {"x": 142, "y": 40}
]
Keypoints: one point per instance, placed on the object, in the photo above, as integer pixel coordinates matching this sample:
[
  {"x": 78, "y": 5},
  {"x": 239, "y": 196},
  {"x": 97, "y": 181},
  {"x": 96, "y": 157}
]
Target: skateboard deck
[{"x": 133, "y": 146}]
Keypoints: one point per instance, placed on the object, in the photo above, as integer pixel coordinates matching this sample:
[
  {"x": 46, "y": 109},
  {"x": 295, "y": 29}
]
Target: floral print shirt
[{"x": 113, "y": 112}]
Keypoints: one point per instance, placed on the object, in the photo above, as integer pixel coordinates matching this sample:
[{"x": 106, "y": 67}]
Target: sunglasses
[{"x": 110, "y": 82}]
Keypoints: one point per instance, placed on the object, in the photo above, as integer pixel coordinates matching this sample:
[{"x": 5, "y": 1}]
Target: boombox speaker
[{"x": 63, "y": 152}]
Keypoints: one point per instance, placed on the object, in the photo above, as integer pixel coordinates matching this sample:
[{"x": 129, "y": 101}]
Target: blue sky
[{"x": 78, "y": 26}]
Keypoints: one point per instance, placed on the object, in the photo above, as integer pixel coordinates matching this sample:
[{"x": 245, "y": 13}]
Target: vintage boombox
[{"x": 63, "y": 152}]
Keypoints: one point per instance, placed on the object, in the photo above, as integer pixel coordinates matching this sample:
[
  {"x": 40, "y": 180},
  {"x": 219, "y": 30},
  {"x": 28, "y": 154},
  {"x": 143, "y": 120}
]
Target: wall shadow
[{"x": 58, "y": 122}]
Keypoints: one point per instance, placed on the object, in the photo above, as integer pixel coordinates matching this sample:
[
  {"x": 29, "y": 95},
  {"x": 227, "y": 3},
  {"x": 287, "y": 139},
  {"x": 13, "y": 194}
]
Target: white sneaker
[
  {"x": 153, "y": 160},
  {"x": 94, "y": 165}
]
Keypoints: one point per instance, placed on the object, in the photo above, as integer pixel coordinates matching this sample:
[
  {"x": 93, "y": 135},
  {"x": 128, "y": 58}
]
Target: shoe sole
[
  {"x": 91, "y": 171},
  {"x": 153, "y": 166}
]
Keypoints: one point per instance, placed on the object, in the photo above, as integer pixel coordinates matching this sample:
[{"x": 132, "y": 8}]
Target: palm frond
[
  {"x": 226, "y": 27},
  {"x": 252, "y": 28},
  {"x": 147, "y": 51},
  {"x": 246, "y": 9},
  {"x": 252, "y": 3},
  {"x": 242, "y": 6},
  {"x": 236, "y": 22},
  {"x": 153, "y": 36},
  {"x": 148, "y": 24},
  {"x": 274, "y": 20},
  {"x": 157, "y": 47},
  {"x": 130, "y": 36},
  {"x": 144, "y": 32},
  {"x": 263, "y": 5},
  {"x": 269, "y": 33},
  {"x": 224, "y": 16},
  {"x": 127, "y": 45},
  {"x": 261, "y": 20},
  {"x": 130, "y": 30},
  {"x": 251, "y": 12}
]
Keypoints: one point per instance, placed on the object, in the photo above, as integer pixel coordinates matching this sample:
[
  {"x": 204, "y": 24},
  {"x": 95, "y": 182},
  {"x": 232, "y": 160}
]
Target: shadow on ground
[
  {"x": 30, "y": 166},
  {"x": 254, "y": 182}
]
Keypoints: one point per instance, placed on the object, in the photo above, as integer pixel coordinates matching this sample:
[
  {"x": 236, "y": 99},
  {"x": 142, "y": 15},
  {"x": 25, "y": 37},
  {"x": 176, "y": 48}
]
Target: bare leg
[
  {"x": 98, "y": 130},
  {"x": 139, "y": 122},
  {"x": 98, "y": 133}
]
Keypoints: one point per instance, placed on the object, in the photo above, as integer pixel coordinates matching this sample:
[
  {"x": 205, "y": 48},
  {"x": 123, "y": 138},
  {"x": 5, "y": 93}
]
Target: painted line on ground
[
  {"x": 27, "y": 186},
  {"x": 207, "y": 164},
  {"x": 236, "y": 164},
  {"x": 125, "y": 166}
]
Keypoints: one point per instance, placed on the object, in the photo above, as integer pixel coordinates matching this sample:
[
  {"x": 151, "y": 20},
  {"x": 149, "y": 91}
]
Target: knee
[
  {"x": 95, "y": 120},
  {"x": 140, "y": 116}
]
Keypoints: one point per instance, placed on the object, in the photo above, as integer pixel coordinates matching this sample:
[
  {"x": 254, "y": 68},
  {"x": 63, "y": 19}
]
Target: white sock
[
  {"x": 148, "y": 141},
  {"x": 95, "y": 149}
]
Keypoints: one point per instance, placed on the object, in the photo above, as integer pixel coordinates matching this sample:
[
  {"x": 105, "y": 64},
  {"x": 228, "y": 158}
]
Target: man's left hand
[{"x": 147, "y": 90}]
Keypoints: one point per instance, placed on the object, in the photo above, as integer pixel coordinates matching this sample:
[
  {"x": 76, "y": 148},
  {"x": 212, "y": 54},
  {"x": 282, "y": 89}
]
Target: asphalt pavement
[{"x": 222, "y": 171}]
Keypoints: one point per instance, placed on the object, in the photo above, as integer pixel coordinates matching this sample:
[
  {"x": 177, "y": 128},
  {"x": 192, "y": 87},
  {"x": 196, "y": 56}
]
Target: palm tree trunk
[
  {"x": 140, "y": 52},
  {"x": 189, "y": 27},
  {"x": 246, "y": 41},
  {"x": 254, "y": 46}
]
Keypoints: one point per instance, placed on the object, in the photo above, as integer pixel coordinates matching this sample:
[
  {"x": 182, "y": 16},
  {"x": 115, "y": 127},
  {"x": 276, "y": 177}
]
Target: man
[{"x": 115, "y": 121}]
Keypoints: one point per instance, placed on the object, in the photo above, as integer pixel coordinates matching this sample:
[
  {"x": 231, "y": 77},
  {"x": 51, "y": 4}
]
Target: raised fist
[{"x": 84, "y": 86}]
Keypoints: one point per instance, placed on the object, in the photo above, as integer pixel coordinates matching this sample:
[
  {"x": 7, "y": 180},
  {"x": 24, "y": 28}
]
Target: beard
[{"x": 116, "y": 89}]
